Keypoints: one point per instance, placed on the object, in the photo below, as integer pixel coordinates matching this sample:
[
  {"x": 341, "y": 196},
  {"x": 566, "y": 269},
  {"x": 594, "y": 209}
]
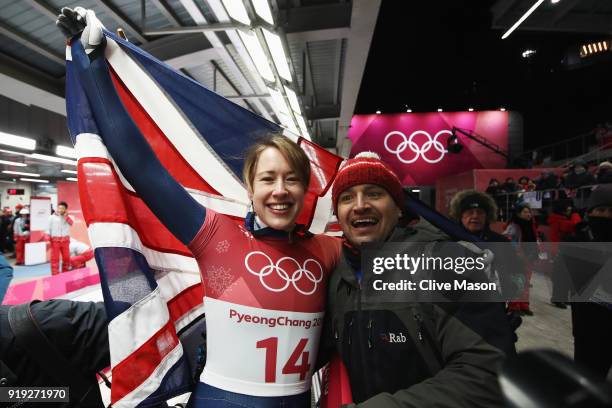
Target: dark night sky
[{"x": 430, "y": 54}]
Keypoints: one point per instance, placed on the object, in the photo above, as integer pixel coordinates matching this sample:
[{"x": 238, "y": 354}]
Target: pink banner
[
  {"x": 447, "y": 187},
  {"x": 414, "y": 144},
  {"x": 51, "y": 287}
]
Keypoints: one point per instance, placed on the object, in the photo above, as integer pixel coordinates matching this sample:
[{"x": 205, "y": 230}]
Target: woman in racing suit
[{"x": 264, "y": 281}]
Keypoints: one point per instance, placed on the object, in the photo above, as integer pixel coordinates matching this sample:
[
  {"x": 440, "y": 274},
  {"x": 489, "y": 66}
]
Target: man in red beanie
[{"x": 401, "y": 353}]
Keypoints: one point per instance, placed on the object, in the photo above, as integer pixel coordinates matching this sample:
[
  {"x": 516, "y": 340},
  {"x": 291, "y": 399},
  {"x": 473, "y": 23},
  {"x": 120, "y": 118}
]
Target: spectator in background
[
  {"x": 21, "y": 230},
  {"x": 494, "y": 188},
  {"x": 578, "y": 178},
  {"x": 6, "y": 275},
  {"x": 562, "y": 222},
  {"x": 525, "y": 184},
  {"x": 509, "y": 188},
  {"x": 495, "y": 191},
  {"x": 591, "y": 322},
  {"x": 475, "y": 211},
  {"x": 80, "y": 253},
  {"x": 603, "y": 135},
  {"x": 604, "y": 173},
  {"x": 522, "y": 231},
  {"x": 509, "y": 185},
  {"x": 59, "y": 233},
  {"x": 548, "y": 180},
  {"x": 6, "y": 240}
]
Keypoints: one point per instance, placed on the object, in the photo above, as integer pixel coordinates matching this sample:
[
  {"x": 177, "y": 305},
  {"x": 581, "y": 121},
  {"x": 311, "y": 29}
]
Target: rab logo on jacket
[{"x": 393, "y": 337}]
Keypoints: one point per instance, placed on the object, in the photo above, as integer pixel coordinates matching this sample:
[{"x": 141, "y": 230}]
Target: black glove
[
  {"x": 84, "y": 22},
  {"x": 71, "y": 22}
]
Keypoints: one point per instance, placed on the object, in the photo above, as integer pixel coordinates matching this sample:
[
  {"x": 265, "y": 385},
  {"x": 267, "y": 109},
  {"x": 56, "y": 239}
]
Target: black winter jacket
[
  {"x": 79, "y": 332},
  {"x": 411, "y": 354}
]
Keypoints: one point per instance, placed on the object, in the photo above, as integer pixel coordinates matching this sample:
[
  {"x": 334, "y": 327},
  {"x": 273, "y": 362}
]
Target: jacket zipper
[
  {"x": 370, "y": 345},
  {"x": 419, "y": 322},
  {"x": 362, "y": 350}
]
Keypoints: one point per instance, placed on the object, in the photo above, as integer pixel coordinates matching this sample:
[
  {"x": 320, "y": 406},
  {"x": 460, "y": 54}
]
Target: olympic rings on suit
[{"x": 289, "y": 279}]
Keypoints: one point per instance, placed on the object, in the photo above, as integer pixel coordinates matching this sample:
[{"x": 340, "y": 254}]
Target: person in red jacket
[
  {"x": 21, "y": 231},
  {"x": 59, "y": 233},
  {"x": 562, "y": 223},
  {"x": 80, "y": 253},
  {"x": 522, "y": 231}
]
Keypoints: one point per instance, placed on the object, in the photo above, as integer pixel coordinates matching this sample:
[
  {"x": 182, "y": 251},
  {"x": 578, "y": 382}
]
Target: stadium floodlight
[
  {"x": 53, "y": 159},
  {"x": 257, "y": 54},
  {"x": 523, "y": 18},
  {"x": 279, "y": 101},
  {"x": 66, "y": 151},
  {"x": 302, "y": 124},
  {"x": 528, "y": 53},
  {"x": 237, "y": 11},
  {"x": 262, "y": 8},
  {"x": 293, "y": 100},
  {"x": 20, "y": 173},
  {"x": 587, "y": 50},
  {"x": 34, "y": 180},
  {"x": 17, "y": 141},
  {"x": 12, "y": 163},
  {"x": 275, "y": 45}
]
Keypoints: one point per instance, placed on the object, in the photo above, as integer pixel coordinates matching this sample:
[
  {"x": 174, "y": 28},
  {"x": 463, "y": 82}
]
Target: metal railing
[
  {"x": 507, "y": 201},
  {"x": 584, "y": 147}
]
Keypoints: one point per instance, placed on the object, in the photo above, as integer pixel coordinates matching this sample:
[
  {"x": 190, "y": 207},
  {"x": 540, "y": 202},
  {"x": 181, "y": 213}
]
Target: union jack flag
[{"x": 150, "y": 281}]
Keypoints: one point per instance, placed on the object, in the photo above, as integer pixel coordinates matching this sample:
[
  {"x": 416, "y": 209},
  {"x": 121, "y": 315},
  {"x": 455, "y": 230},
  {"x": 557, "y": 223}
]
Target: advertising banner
[
  {"x": 415, "y": 144},
  {"x": 40, "y": 210}
]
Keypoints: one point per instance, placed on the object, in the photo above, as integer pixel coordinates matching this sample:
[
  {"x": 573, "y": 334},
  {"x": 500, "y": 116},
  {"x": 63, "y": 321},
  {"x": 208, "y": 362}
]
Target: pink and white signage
[{"x": 414, "y": 144}]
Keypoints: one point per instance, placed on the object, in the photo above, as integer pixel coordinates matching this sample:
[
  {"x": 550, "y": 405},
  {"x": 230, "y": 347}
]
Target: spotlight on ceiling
[
  {"x": 554, "y": 1},
  {"x": 528, "y": 53},
  {"x": 502, "y": 109},
  {"x": 34, "y": 180},
  {"x": 587, "y": 50},
  {"x": 439, "y": 109},
  {"x": 470, "y": 109},
  {"x": 378, "y": 112},
  {"x": 523, "y": 18},
  {"x": 17, "y": 141}
]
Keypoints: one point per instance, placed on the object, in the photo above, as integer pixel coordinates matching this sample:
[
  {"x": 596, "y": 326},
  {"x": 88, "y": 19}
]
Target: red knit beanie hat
[{"x": 367, "y": 168}]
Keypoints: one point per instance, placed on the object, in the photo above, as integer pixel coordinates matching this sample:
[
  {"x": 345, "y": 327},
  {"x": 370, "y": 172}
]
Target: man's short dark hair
[{"x": 62, "y": 203}]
